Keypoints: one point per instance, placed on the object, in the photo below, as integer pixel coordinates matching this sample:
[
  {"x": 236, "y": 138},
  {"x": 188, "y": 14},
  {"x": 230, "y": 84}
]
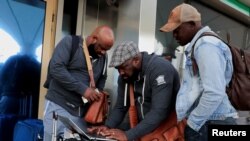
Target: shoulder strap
[
  {"x": 74, "y": 45},
  {"x": 194, "y": 64},
  {"x": 131, "y": 94},
  {"x": 89, "y": 65},
  {"x": 133, "y": 120}
]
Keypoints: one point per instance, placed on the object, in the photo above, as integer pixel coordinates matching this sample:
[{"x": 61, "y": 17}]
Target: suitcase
[
  {"x": 29, "y": 130},
  {"x": 7, "y": 124}
]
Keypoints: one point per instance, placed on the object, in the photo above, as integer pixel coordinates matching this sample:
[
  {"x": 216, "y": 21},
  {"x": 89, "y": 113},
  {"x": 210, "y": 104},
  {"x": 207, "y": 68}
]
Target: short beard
[
  {"x": 134, "y": 77},
  {"x": 92, "y": 52}
]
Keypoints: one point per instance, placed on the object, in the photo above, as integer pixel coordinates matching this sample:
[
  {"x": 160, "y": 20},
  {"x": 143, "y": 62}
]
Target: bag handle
[
  {"x": 89, "y": 65},
  {"x": 131, "y": 95}
]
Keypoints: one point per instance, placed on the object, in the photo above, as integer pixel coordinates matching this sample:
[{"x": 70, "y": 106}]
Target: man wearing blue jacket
[
  {"x": 71, "y": 79},
  {"x": 156, "y": 83},
  {"x": 202, "y": 98}
]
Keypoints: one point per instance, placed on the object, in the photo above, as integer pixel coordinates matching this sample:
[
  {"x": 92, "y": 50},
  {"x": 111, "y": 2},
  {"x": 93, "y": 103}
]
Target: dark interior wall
[
  {"x": 70, "y": 9},
  {"x": 123, "y": 19},
  {"x": 106, "y": 13},
  {"x": 222, "y": 24},
  {"x": 211, "y": 16},
  {"x": 164, "y": 8}
]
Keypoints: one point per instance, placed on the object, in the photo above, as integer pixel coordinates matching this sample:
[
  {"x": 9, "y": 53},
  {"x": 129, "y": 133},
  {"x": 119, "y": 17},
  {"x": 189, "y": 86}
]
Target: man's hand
[
  {"x": 115, "y": 134},
  {"x": 91, "y": 95},
  {"x": 97, "y": 129}
]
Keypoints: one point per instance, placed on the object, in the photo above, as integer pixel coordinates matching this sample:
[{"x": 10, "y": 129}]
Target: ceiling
[
  {"x": 246, "y": 2},
  {"x": 36, "y": 3},
  {"x": 230, "y": 11}
]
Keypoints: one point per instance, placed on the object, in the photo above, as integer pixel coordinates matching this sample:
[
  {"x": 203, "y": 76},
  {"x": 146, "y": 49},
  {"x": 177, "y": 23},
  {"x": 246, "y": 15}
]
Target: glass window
[{"x": 8, "y": 46}]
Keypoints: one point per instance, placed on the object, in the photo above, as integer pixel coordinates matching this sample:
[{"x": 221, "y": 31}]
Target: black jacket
[{"x": 155, "y": 94}]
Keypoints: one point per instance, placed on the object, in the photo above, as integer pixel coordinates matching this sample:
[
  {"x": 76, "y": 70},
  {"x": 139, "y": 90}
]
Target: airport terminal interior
[{"x": 30, "y": 30}]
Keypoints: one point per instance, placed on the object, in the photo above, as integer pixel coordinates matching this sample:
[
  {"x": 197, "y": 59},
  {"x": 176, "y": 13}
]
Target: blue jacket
[
  {"x": 71, "y": 78},
  {"x": 203, "y": 97}
]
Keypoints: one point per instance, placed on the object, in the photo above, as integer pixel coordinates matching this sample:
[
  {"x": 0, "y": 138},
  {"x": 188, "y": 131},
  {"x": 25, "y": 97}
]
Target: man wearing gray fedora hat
[{"x": 155, "y": 82}]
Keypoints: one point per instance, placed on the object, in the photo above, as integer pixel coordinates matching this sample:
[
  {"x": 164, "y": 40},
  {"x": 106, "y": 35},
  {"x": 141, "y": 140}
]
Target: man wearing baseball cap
[
  {"x": 155, "y": 82},
  {"x": 202, "y": 98}
]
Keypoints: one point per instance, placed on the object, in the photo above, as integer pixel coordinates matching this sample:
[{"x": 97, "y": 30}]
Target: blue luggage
[
  {"x": 29, "y": 130},
  {"x": 7, "y": 124}
]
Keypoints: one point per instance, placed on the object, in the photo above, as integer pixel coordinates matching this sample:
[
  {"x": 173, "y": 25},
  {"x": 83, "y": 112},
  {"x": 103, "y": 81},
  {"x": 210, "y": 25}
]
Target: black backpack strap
[{"x": 74, "y": 46}]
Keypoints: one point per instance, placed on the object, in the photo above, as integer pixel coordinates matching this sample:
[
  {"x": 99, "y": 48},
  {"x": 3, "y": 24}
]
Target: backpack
[
  {"x": 238, "y": 90},
  {"x": 74, "y": 46}
]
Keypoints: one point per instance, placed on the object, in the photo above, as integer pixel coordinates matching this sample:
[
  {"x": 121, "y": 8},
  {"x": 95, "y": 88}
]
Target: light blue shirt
[{"x": 203, "y": 97}]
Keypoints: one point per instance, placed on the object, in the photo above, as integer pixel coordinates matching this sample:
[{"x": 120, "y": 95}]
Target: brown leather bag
[
  {"x": 239, "y": 87},
  {"x": 169, "y": 130},
  {"x": 97, "y": 112}
]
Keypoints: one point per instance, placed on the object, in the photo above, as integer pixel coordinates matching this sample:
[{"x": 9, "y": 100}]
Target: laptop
[{"x": 70, "y": 124}]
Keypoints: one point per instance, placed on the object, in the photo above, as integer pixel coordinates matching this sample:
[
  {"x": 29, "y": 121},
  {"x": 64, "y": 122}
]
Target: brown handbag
[
  {"x": 239, "y": 86},
  {"x": 97, "y": 112},
  {"x": 168, "y": 130}
]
